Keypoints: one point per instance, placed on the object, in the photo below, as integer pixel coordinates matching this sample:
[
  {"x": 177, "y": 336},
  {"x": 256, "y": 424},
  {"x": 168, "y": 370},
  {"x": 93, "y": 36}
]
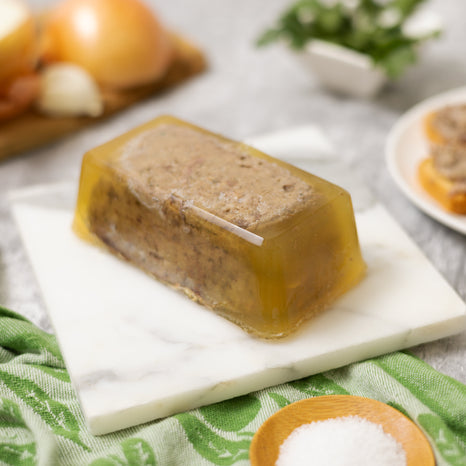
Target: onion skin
[
  {"x": 119, "y": 42},
  {"x": 17, "y": 96}
]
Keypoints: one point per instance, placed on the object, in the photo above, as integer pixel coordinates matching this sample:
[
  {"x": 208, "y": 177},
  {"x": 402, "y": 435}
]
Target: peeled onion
[
  {"x": 68, "y": 90},
  {"x": 119, "y": 42},
  {"x": 17, "y": 40}
]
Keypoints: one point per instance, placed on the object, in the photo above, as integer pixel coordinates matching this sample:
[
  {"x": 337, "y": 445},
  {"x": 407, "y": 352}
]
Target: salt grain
[{"x": 342, "y": 441}]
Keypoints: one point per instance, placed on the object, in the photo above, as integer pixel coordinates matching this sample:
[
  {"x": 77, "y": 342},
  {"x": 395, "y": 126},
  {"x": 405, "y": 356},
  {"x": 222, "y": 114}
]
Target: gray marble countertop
[{"x": 245, "y": 92}]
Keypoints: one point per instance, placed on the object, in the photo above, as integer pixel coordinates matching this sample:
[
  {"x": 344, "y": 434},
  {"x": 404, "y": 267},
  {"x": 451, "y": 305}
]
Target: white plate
[{"x": 406, "y": 147}]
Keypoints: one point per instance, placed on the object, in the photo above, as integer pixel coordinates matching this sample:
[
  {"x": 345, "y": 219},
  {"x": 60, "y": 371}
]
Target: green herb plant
[{"x": 371, "y": 27}]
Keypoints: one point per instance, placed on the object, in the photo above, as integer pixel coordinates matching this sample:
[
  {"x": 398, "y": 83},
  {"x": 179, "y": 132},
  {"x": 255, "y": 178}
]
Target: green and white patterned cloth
[{"x": 41, "y": 421}]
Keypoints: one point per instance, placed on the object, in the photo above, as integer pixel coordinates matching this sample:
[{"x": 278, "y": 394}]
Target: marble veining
[{"x": 137, "y": 350}]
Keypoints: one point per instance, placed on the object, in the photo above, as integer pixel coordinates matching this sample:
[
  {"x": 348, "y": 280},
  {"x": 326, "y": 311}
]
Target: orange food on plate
[
  {"x": 430, "y": 130},
  {"x": 120, "y": 43},
  {"x": 446, "y": 125},
  {"x": 441, "y": 188},
  {"x": 443, "y": 173}
]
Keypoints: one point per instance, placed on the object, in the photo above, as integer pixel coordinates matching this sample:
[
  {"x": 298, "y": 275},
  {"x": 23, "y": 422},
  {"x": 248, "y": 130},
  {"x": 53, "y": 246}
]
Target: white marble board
[{"x": 138, "y": 351}]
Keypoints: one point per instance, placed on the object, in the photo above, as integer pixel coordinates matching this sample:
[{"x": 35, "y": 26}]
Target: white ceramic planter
[
  {"x": 352, "y": 73},
  {"x": 342, "y": 70}
]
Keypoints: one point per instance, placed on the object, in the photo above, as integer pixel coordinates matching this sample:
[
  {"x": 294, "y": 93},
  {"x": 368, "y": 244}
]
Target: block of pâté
[{"x": 256, "y": 240}]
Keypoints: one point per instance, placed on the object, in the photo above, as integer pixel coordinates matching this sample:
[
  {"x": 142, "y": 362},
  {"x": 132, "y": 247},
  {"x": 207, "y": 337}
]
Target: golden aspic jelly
[{"x": 260, "y": 242}]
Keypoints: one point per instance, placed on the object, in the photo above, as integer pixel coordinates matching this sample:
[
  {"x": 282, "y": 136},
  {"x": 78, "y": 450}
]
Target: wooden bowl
[{"x": 265, "y": 445}]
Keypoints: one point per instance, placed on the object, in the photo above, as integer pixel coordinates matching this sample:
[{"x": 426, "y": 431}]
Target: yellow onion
[
  {"x": 19, "y": 85},
  {"x": 17, "y": 40},
  {"x": 119, "y": 42}
]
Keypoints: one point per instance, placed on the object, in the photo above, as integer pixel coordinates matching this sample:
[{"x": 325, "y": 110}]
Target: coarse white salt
[{"x": 341, "y": 441}]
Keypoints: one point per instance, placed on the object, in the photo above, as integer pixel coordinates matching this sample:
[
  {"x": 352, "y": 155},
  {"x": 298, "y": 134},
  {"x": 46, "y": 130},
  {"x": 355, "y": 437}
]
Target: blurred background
[{"x": 247, "y": 91}]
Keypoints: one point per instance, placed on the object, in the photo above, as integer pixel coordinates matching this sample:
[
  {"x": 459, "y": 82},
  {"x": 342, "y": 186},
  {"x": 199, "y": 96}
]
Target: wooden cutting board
[{"x": 32, "y": 129}]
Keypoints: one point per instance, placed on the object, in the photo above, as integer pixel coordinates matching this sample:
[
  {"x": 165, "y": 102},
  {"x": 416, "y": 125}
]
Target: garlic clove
[{"x": 69, "y": 90}]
